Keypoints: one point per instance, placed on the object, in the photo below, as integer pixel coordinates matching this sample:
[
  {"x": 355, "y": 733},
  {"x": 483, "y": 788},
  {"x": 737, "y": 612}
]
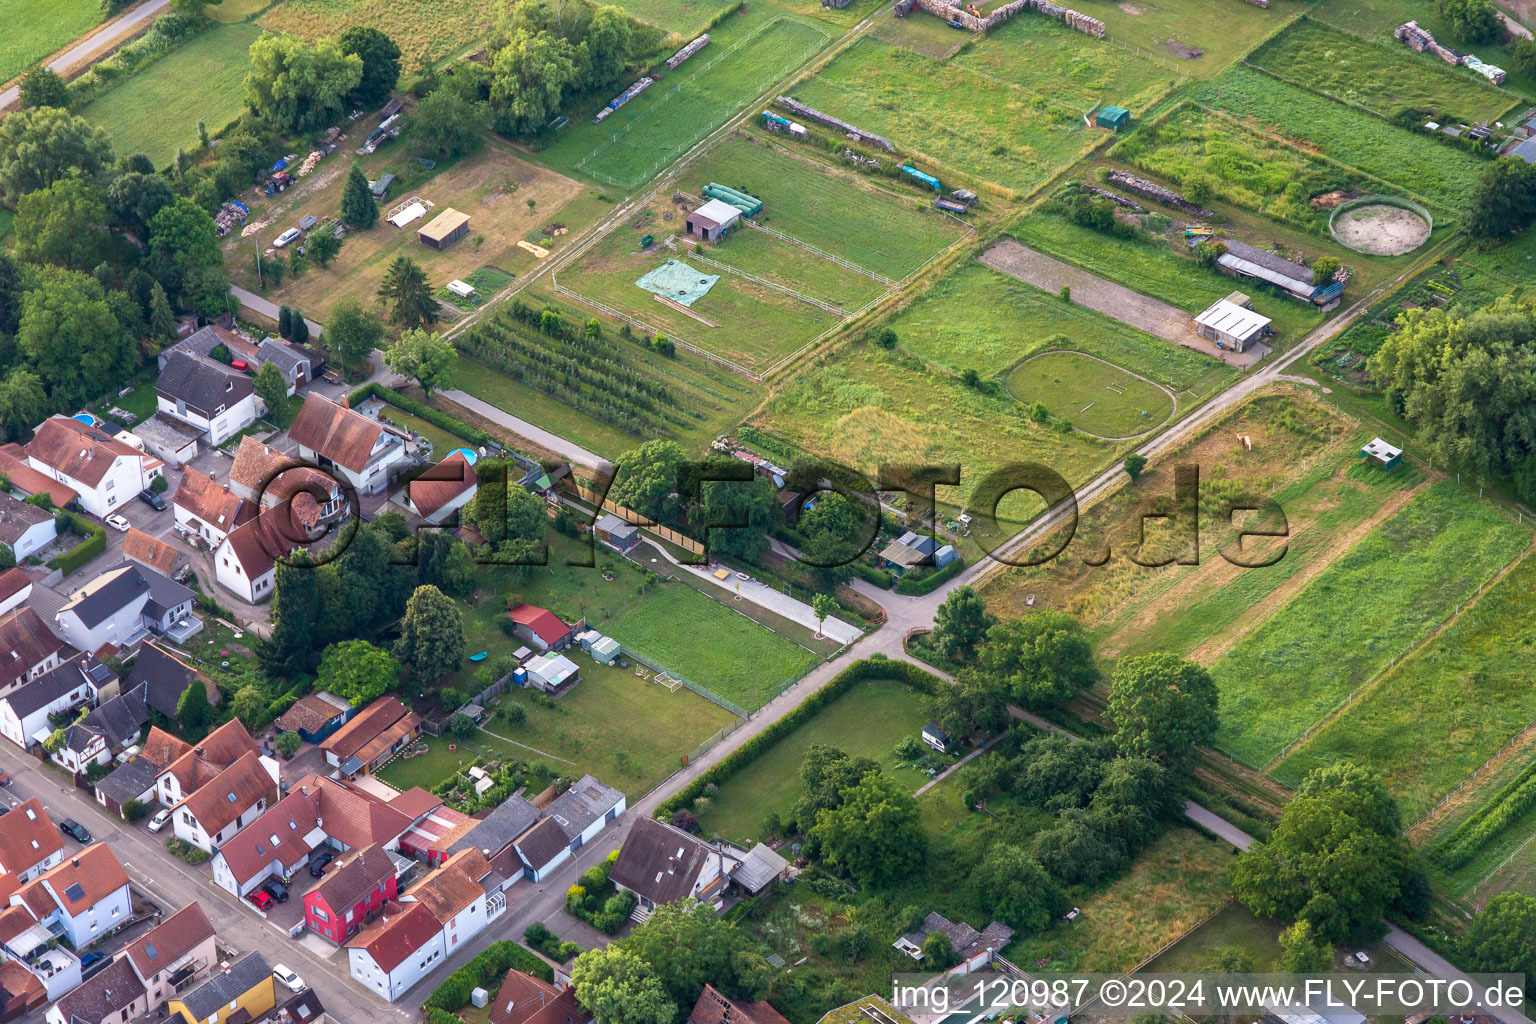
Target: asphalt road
[{"x": 97, "y": 41}]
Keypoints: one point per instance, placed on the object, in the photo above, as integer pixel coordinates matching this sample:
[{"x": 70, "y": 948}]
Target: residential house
[
  {"x": 28, "y": 648},
  {"x": 167, "y": 678},
  {"x": 167, "y": 438},
  {"x": 30, "y": 845},
  {"x": 661, "y": 864},
  {"x": 713, "y": 1007},
  {"x": 113, "y": 996},
  {"x": 442, "y": 490},
  {"x": 207, "y": 509},
  {"x": 972, "y": 948},
  {"x": 268, "y": 478},
  {"x": 361, "y": 451},
  {"x": 150, "y": 552},
  {"x": 25, "y": 529},
  {"x": 585, "y": 809},
  {"x": 352, "y": 893},
  {"x": 207, "y": 395},
  {"x": 192, "y": 770},
  {"x": 135, "y": 778},
  {"x": 373, "y": 736},
  {"x": 15, "y": 588},
  {"x": 541, "y": 628},
  {"x": 397, "y": 950},
  {"x": 86, "y": 895},
  {"x": 75, "y": 683},
  {"x": 21, "y": 992},
  {"x": 109, "y": 728},
  {"x": 542, "y": 849},
  {"x": 315, "y": 716},
  {"x": 493, "y": 835},
  {"x": 438, "y": 826},
  {"x": 464, "y": 895},
  {"x": 524, "y": 999},
  {"x": 299, "y": 364},
  {"x": 26, "y": 941},
  {"x": 26, "y": 481},
  {"x": 124, "y": 606},
  {"x": 174, "y": 954},
  {"x": 227, "y": 803},
  {"x": 245, "y": 562},
  {"x": 103, "y": 471},
  {"x": 244, "y": 991}
]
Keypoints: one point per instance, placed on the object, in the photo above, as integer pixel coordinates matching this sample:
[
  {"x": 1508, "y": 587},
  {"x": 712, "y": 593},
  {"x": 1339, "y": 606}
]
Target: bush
[
  {"x": 484, "y": 970},
  {"x": 431, "y": 414},
  {"x": 134, "y": 810},
  {"x": 95, "y": 543},
  {"x": 925, "y": 583},
  {"x": 160, "y": 485},
  {"x": 870, "y": 574},
  {"x": 186, "y": 851}
]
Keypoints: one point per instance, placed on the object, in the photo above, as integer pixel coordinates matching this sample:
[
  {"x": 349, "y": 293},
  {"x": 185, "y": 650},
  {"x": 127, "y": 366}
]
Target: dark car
[
  {"x": 277, "y": 890},
  {"x": 93, "y": 963},
  {"x": 152, "y": 499},
  {"x": 318, "y": 863},
  {"x": 76, "y": 831}
]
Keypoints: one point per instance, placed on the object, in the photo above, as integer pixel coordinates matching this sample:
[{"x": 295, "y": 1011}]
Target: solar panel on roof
[
  {"x": 75, "y": 892},
  {"x": 150, "y": 950}
]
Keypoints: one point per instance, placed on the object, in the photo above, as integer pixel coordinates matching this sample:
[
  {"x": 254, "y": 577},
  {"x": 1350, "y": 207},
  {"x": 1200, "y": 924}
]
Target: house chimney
[{"x": 198, "y": 751}]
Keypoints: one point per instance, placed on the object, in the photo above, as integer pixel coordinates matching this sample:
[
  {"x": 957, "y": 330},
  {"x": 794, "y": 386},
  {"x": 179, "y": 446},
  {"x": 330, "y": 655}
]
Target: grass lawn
[
  {"x": 1414, "y": 165},
  {"x": 1506, "y": 859},
  {"x": 623, "y": 729},
  {"x": 427, "y": 770},
  {"x": 1233, "y": 927},
  {"x": 1002, "y": 132},
  {"x": 36, "y": 28},
  {"x": 789, "y": 266},
  {"x": 428, "y": 31},
  {"x": 867, "y": 721},
  {"x": 1171, "y": 885},
  {"x": 888, "y": 231},
  {"x": 685, "y": 17},
  {"x": 1379, "y": 77},
  {"x": 442, "y": 441},
  {"x": 1416, "y": 568},
  {"x": 1196, "y": 37},
  {"x": 1097, "y": 397},
  {"x": 1461, "y": 698},
  {"x": 721, "y": 650},
  {"x": 155, "y": 113},
  {"x": 643, "y": 135}
]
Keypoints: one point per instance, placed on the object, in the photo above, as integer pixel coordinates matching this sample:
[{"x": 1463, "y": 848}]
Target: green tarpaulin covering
[{"x": 679, "y": 282}]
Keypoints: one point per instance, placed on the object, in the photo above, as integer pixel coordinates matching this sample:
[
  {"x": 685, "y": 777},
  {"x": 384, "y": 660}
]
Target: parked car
[
  {"x": 260, "y": 899},
  {"x": 93, "y": 963},
  {"x": 318, "y": 862},
  {"x": 118, "y": 523},
  {"x": 152, "y": 499},
  {"x": 160, "y": 820},
  {"x": 5, "y": 778},
  {"x": 287, "y": 237},
  {"x": 287, "y": 977},
  {"x": 76, "y": 831},
  {"x": 277, "y": 890}
]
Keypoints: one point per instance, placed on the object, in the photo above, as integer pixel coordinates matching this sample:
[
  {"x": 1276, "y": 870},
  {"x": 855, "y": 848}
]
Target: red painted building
[{"x": 354, "y": 889}]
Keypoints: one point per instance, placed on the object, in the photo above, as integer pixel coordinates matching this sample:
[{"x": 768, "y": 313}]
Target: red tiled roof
[
  {"x": 13, "y": 581},
  {"x": 218, "y": 750},
  {"x": 151, "y": 551},
  {"x": 25, "y": 641},
  {"x": 715, "y": 1008},
  {"x": 174, "y": 937},
  {"x": 23, "y": 477},
  {"x": 161, "y": 748},
  {"x": 95, "y": 869},
  {"x": 231, "y": 793},
  {"x": 27, "y": 837},
  {"x": 309, "y": 713},
  {"x": 454, "y": 886},
  {"x": 270, "y": 472},
  {"x": 290, "y": 820},
  {"x": 365, "y": 726},
  {"x": 341, "y": 435},
  {"x": 441, "y": 484},
  {"x": 211, "y": 501},
  {"x": 400, "y": 932},
  {"x": 545, "y": 624},
  {"x": 352, "y": 878},
  {"x": 415, "y": 802},
  {"x": 258, "y": 543},
  {"x": 79, "y": 452},
  {"x": 14, "y": 920},
  {"x": 524, "y": 999}
]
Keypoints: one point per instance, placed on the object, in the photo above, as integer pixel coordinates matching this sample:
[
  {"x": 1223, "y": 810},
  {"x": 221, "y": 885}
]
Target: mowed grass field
[
  {"x": 1377, "y": 76},
  {"x": 867, "y": 721},
  {"x": 640, "y": 137},
  {"x": 614, "y": 725},
  {"x": 1366, "y": 609},
  {"x": 156, "y": 111},
  {"x": 709, "y": 643},
  {"x": 1461, "y": 697},
  {"x": 1487, "y": 842},
  {"x": 427, "y": 31},
  {"x": 1097, "y": 397},
  {"x": 1197, "y": 37},
  {"x": 887, "y": 231},
  {"x": 1000, "y": 131},
  {"x": 32, "y": 29},
  {"x": 1419, "y": 167},
  {"x": 427, "y": 770}
]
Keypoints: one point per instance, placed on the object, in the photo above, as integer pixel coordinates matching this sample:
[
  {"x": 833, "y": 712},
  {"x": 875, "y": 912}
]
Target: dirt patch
[
  {"x": 1132, "y": 9},
  {"x": 1183, "y": 51},
  {"x": 1335, "y": 199},
  {"x": 1381, "y": 229}
]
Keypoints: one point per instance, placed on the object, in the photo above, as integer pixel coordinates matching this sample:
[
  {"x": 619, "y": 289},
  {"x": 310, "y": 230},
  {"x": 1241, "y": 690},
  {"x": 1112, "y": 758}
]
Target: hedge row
[
  {"x": 1513, "y": 800},
  {"x": 95, "y": 543},
  {"x": 485, "y": 971},
  {"x": 433, "y": 415},
  {"x": 918, "y": 585},
  {"x": 871, "y": 574},
  {"x": 877, "y": 666}
]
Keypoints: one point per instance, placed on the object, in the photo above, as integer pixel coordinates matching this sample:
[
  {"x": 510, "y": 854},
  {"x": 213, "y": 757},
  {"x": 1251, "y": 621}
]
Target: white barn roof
[
  {"x": 1232, "y": 320},
  {"x": 722, "y": 213}
]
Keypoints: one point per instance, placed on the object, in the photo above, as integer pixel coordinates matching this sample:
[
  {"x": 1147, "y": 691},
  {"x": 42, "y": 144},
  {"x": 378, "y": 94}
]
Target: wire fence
[{"x": 771, "y": 285}]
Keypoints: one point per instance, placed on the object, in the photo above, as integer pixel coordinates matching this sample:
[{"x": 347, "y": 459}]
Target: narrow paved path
[
  {"x": 554, "y": 442},
  {"x": 98, "y": 40},
  {"x": 267, "y": 308}
]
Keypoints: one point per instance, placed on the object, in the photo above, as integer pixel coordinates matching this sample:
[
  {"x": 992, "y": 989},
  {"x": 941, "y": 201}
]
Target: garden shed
[
  {"x": 1384, "y": 455},
  {"x": 1112, "y": 117},
  {"x": 713, "y": 220},
  {"x": 1232, "y": 323},
  {"x": 444, "y": 229}
]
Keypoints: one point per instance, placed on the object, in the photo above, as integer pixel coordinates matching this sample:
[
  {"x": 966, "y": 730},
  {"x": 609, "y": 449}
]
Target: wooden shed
[{"x": 444, "y": 229}]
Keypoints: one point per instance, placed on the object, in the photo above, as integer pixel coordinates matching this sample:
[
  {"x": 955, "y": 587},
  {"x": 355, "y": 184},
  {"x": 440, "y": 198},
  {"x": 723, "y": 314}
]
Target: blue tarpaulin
[{"x": 679, "y": 282}]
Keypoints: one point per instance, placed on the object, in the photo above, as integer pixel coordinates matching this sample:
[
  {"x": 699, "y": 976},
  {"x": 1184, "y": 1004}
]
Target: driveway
[
  {"x": 1113, "y": 300},
  {"x": 538, "y": 435},
  {"x": 94, "y": 44}
]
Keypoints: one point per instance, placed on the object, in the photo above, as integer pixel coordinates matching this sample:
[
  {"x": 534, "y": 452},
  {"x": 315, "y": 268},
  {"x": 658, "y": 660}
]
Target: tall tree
[
  {"x": 161, "y": 321},
  {"x": 685, "y": 945},
  {"x": 749, "y": 502},
  {"x": 529, "y": 79},
  {"x": 23, "y": 401},
  {"x": 134, "y": 198},
  {"x": 405, "y": 286},
  {"x": 291, "y": 647},
  {"x": 447, "y": 123},
  {"x": 1302, "y": 952},
  {"x": 1162, "y": 706},
  {"x": 70, "y": 333},
  {"x": 1502, "y": 938},
  {"x": 193, "y": 712},
  {"x": 357, "y": 671},
  {"x": 299, "y": 86},
  {"x": 42, "y": 87},
  {"x": 605, "y": 48},
  {"x": 352, "y": 334},
  {"x": 961, "y": 623},
  {"x": 1016, "y": 888},
  {"x": 381, "y": 64},
  {"x": 1042, "y": 659},
  {"x": 1503, "y": 202},
  {"x": 875, "y": 835},
  {"x": 65, "y": 224},
  {"x": 358, "y": 207},
  {"x": 425, "y": 358},
  {"x": 39, "y": 147},
  {"x": 972, "y": 710},
  {"x": 431, "y": 640},
  {"x": 617, "y": 987},
  {"x": 185, "y": 257},
  {"x": 272, "y": 388},
  {"x": 648, "y": 479},
  {"x": 12, "y": 288}
]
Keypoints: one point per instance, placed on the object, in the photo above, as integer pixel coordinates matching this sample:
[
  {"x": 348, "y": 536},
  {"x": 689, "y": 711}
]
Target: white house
[
  {"x": 87, "y": 895},
  {"x": 245, "y": 562},
  {"x": 207, "y": 509},
  {"x": 207, "y": 395},
  {"x": 28, "y": 648},
  {"x": 102, "y": 470},
  {"x": 662, "y": 864},
  {"x": 72, "y": 685},
  {"x": 586, "y": 809},
  {"x": 105, "y": 731},
  {"x": 226, "y": 803},
  {"x": 124, "y": 606},
  {"x": 15, "y": 589},
  {"x": 25, "y": 529},
  {"x": 30, "y": 845},
  {"x": 398, "y": 950},
  {"x": 174, "y": 953},
  {"x": 442, "y": 490},
  {"x": 218, "y": 750},
  {"x": 362, "y": 451}
]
